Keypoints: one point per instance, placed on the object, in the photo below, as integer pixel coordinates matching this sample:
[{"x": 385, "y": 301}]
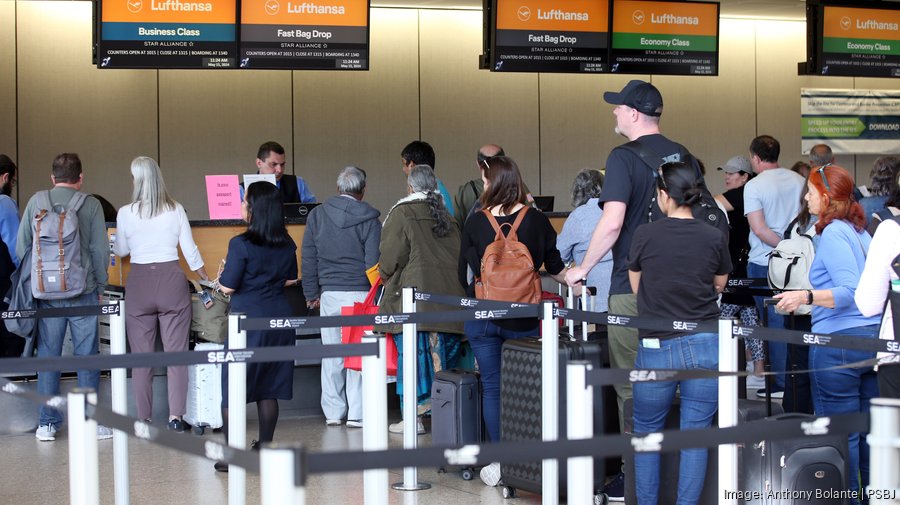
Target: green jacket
[
  {"x": 466, "y": 196},
  {"x": 412, "y": 256}
]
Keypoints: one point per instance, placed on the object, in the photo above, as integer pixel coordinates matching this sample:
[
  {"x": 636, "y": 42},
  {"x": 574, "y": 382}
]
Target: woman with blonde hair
[{"x": 150, "y": 229}]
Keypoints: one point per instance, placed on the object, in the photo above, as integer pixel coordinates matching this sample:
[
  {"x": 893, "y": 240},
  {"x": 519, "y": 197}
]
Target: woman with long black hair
[
  {"x": 260, "y": 263},
  {"x": 677, "y": 266}
]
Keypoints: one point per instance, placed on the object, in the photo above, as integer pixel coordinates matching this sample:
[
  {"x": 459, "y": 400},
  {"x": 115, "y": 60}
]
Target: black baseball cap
[{"x": 639, "y": 95}]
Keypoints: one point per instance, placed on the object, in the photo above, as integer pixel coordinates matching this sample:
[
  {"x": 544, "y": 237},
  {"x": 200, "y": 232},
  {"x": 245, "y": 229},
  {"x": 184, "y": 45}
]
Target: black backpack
[{"x": 707, "y": 211}]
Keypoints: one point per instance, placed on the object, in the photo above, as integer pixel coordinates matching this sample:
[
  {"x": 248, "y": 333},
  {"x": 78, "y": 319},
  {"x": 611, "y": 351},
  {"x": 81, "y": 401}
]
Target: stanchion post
[
  {"x": 549, "y": 401},
  {"x": 570, "y": 303},
  {"x": 375, "y": 434},
  {"x": 84, "y": 480},
  {"x": 119, "y": 405},
  {"x": 884, "y": 451},
  {"x": 282, "y": 475},
  {"x": 579, "y": 426},
  {"x": 410, "y": 398},
  {"x": 237, "y": 410},
  {"x": 728, "y": 410}
]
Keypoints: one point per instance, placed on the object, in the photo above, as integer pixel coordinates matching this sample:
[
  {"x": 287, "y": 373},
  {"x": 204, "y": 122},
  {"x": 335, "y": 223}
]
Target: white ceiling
[{"x": 760, "y": 9}]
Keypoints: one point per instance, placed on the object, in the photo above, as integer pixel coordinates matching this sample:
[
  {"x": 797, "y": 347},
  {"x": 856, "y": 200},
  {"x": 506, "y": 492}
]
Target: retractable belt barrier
[
  {"x": 48, "y": 312},
  {"x": 472, "y": 455}
]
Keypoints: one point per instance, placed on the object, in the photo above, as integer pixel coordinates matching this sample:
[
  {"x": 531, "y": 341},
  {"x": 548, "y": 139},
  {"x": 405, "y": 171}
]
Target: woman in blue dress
[{"x": 259, "y": 264}]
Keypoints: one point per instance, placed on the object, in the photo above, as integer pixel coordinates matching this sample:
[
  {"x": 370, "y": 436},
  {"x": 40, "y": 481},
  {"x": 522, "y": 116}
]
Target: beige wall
[{"x": 423, "y": 82}]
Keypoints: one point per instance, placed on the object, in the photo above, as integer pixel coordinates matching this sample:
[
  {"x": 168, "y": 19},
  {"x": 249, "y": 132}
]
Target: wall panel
[
  {"x": 464, "y": 108},
  {"x": 362, "y": 118},
  {"x": 8, "y": 78},
  {"x": 66, "y": 104},
  {"x": 213, "y": 121}
]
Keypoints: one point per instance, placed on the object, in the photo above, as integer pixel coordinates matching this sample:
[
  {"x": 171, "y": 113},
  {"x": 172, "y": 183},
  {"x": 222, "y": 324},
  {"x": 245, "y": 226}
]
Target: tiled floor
[{"x": 37, "y": 473}]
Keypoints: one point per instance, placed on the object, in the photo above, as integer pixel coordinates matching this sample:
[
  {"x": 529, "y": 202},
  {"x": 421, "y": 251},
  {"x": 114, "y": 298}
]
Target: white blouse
[
  {"x": 875, "y": 280},
  {"x": 156, "y": 239}
]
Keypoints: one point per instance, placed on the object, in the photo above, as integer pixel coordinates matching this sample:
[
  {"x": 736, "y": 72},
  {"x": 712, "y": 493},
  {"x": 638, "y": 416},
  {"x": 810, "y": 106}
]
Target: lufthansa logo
[
  {"x": 638, "y": 17},
  {"x": 272, "y": 8},
  {"x": 524, "y": 13},
  {"x": 134, "y": 6}
]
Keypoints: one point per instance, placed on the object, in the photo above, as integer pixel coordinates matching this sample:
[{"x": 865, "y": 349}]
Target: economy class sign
[
  {"x": 167, "y": 34},
  {"x": 665, "y": 37},
  {"x": 305, "y": 34},
  {"x": 860, "y": 42},
  {"x": 551, "y": 36}
]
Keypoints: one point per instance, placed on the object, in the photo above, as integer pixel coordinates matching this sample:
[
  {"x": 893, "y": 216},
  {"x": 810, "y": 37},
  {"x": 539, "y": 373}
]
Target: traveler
[
  {"x": 676, "y": 267},
  {"x": 834, "y": 275},
  {"x": 150, "y": 229}
]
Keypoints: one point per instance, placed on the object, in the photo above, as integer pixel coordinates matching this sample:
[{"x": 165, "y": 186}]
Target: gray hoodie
[{"x": 340, "y": 242}]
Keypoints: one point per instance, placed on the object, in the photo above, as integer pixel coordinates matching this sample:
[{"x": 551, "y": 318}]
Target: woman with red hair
[{"x": 834, "y": 275}]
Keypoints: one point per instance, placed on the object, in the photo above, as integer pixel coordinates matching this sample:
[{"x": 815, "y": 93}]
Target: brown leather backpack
[{"x": 507, "y": 270}]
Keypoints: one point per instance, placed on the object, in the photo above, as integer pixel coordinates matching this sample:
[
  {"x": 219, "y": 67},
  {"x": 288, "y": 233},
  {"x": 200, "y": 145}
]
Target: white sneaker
[
  {"x": 398, "y": 427},
  {"x": 352, "y": 423},
  {"x": 332, "y": 422},
  {"x": 46, "y": 433},
  {"x": 103, "y": 433},
  {"x": 490, "y": 474},
  {"x": 755, "y": 382}
]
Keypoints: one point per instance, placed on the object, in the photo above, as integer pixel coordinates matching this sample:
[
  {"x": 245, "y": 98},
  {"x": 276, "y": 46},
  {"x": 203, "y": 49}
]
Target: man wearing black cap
[{"x": 625, "y": 199}]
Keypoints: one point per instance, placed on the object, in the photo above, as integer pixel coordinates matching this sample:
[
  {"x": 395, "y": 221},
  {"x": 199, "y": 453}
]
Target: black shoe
[
  {"x": 615, "y": 488},
  {"x": 221, "y": 466},
  {"x": 254, "y": 445},
  {"x": 177, "y": 425}
]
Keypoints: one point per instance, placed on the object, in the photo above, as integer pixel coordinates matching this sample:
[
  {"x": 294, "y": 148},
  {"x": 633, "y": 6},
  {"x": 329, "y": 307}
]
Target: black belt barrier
[{"x": 47, "y": 312}]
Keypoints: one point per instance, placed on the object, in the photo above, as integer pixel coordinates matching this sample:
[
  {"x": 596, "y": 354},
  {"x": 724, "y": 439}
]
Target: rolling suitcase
[
  {"x": 520, "y": 406},
  {"x": 456, "y": 412},
  {"x": 796, "y": 469},
  {"x": 204, "y": 393}
]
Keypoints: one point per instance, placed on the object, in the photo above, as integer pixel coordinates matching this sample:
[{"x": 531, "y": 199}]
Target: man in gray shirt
[{"x": 67, "y": 179}]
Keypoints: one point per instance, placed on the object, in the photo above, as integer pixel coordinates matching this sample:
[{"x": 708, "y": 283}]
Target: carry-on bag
[
  {"x": 456, "y": 412},
  {"x": 520, "y": 406},
  {"x": 204, "y": 393}
]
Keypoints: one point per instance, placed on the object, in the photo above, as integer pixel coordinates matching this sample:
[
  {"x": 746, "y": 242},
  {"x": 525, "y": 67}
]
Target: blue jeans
[
  {"x": 486, "y": 339},
  {"x": 844, "y": 391},
  {"x": 51, "y": 333},
  {"x": 777, "y": 350},
  {"x": 652, "y": 401}
]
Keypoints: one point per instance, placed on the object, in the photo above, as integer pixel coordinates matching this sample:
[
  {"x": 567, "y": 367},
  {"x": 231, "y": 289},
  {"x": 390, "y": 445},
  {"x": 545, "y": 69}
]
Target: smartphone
[{"x": 206, "y": 298}]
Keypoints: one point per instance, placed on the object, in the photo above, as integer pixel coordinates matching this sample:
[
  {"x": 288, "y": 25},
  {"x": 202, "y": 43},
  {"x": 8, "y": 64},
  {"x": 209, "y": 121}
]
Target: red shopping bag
[{"x": 354, "y": 334}]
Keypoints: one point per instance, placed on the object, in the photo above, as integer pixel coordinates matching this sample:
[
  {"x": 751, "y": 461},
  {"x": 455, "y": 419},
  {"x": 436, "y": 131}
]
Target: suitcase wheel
[
  {"x": 601, "y": 499},
  {"x": 509, "y": 492},
  {"x": 468, "y": 474},
  {"x": 198, "y": 430},
  {"x": 441, "y": 470}
]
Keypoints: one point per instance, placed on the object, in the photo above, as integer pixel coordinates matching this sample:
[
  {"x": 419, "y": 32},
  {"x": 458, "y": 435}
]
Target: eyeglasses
[{"x": 821, "y": 171}]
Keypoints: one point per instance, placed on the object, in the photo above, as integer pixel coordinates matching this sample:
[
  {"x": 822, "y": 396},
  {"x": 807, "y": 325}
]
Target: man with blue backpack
[{"x": 65, "y": 232}]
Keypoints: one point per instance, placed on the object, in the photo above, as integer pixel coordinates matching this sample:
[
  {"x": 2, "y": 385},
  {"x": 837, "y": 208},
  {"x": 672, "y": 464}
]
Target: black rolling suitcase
[
  {"x": 748, "y": 411},
  {"x": 520, "y": 406},
  {"x": 456, "y": 411},
  {"x": 797, "y": 469}
]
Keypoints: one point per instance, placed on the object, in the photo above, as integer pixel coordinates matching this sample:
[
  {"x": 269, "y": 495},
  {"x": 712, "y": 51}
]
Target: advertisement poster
[
  {"x": 851, "y": 121},
  {"x": 326, "y": 35},
  {"x": 672, "y": 38},
  {"x": 551, "y": 36},
  {"x": 860, "y": 42}
]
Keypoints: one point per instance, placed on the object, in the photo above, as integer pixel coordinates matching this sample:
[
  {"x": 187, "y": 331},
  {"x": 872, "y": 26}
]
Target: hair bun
[{"x": 693, "y": 195}]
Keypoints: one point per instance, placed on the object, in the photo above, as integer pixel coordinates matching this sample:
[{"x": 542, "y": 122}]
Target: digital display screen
[
  {"x": 325, "y": 35},
  {"x": 665, "y": 38},
  {"x": 550, "y": 36},
  {"x": 859, "y": 42},
  {"x": 167, "y": 34}
]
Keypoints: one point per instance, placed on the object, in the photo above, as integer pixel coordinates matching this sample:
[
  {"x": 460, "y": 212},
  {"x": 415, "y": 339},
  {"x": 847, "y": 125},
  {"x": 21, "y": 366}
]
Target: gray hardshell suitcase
[
  {"x": 203, "y": 408},
  {"x": 456, "y": 411}
]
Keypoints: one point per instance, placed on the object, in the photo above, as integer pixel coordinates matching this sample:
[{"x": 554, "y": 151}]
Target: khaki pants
[{"x": 623, "y": 344}]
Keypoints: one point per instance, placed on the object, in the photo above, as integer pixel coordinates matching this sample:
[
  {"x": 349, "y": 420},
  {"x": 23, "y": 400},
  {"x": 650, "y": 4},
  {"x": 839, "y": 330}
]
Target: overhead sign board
[
  {"x": 680, "y": 38},
  {"x": 167, "y": 34},
  {"x": 551, "y": 36},
  {"x": 860, "y": 42},
  {"x": 299, "y": 34}
]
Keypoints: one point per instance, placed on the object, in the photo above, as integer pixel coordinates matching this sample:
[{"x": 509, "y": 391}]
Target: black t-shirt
[
  {"x": 678, "y": 260},
  {"x": 738, "y": 243},
  {"x": 535, "y": 232},
  {"x": 629, "y": 180}
]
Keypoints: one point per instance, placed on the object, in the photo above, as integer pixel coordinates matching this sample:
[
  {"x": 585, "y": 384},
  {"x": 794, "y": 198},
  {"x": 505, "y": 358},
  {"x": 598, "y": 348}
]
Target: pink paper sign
[{"x": 223, "y": 196}]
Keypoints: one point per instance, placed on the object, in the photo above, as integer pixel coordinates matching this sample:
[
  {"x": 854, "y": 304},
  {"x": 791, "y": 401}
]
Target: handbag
[
  {"x": 210, "y": 323},
  {"x": 354, "y": 334}
]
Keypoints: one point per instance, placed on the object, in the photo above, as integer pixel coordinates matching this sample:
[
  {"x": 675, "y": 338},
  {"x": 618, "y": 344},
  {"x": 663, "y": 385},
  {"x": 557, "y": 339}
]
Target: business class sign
[
  {"x": 305, "y": 34},
  {"x": 167, "y": 34}
]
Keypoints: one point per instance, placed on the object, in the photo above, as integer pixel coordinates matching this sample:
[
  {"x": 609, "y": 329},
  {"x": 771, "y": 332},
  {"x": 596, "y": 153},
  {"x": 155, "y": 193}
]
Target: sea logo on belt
[
  {"x": 812, "y": 338},
  {"x": 468, "y": 302},
  {"x": 817, "y": 427},
  {"x": 464, "y": 456},
  {"x": 618, "y": 320},
  {"x": 683, "y": 326},
  {"x": 650, "y": 443}
]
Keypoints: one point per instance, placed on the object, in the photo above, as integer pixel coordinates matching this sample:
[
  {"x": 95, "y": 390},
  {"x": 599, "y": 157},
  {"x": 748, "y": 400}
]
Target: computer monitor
[{"x": 294, "y": 210}]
